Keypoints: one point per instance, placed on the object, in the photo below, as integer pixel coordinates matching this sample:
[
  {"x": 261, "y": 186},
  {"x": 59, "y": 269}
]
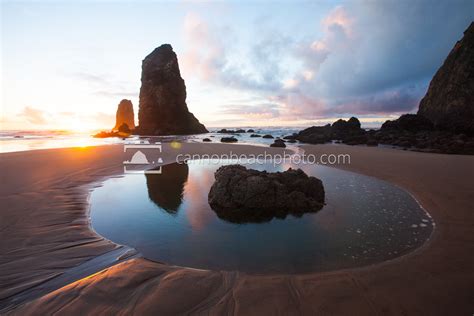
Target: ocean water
[{"x": 12, "y": 141}]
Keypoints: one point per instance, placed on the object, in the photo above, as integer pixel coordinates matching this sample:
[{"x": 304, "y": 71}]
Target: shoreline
[{"x": 49, "y": 299}]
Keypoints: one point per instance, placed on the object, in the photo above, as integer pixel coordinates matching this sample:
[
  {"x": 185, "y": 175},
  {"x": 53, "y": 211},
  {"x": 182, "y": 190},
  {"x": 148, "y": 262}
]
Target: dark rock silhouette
[
  {"x": 230, "y": 131},
  {"x": 343, "y": 126},
  {"x": 124, "y": 128},
  {"x": 449, "y": 101},
  {"x": 226, "y": 131},
  {"x": 445, "y": 119},
  {"x": 349, "y": 132},
  {"x": 125, "y": 115},
  {"x": 229, "y": 140},
  {"x": 315, "y": 134},
  {"x": 267, "y": 136},
  {"x": 255, "y": 135},
  {"x": 372, "y": 142},
  {"x": 207, "y": 140},
  {"x": 278, "y": 143},
  {"x": 166, "y": 189},
  {"x": 409, "y": 122},
  {"x": 244, "y": 195},
  {"x": 162, "y": 107}
]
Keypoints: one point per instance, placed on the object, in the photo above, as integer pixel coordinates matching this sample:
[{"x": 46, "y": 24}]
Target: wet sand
[{"x": 44, "y": 232}]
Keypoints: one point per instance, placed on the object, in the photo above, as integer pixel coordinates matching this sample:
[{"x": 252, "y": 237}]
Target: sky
[{"x": 67, "y": 65}]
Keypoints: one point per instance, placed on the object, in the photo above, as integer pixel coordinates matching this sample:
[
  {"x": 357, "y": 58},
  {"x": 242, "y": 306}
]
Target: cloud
[
  {"x": 105, "y": 85},
  {"x": 210, "y": 56},
  {"x": 34, "y": 116},
  {"x": 205, "y": 54},
  {"x": 363, "y": 58},
  {"x": 257, "y": 111},
  {"x": 90, "y": 77},
  {"x": 117, "y": 94},
  {"x": 370, "y": 46},
  {"x": 66, "y": 119}
]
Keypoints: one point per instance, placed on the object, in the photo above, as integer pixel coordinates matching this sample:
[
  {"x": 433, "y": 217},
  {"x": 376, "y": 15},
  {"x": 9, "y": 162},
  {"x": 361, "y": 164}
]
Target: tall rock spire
[
  {"x": 125, "y": 115},
  {"x": 162, "y": 106}
]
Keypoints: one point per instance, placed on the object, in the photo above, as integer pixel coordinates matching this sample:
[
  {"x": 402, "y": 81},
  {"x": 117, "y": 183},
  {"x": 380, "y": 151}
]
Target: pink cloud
[
  {"x": 204, "y": 52},
  {"x": 34, "y": 116}
]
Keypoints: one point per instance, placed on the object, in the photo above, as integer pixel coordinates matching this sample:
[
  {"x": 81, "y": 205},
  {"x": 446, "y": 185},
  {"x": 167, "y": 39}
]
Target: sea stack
[
  {"x": 449, "y": 101},
  {"x": 162, "y": 105},
  {"x": 125, "y": 115}
]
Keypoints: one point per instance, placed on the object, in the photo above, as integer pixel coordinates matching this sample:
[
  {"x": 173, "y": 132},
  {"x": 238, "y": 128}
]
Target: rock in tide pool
[
  {"x": 125, "y": 115},
  {"x": 162, "y": 108},
  {"x": 242, "y": 195}
]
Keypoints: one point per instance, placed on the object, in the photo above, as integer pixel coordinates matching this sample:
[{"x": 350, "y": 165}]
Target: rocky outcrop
[
  {"x": 347, "y": 131},
  {"x": 230, "y": 131},
  {"x": 124, "y": 128},
  {"x": 409, "y": 122},
  {"x": 278, "y": 143},
  {"x": 444, "y": 122},
  {"x": 409, "y": 131},
  {"x": 162, "y": 107},
  {"x": 231, "y": 139},
  {"x": 449, "y": 101},
  {"x": 245, "y": 195},
  {"x": 125, "y": 115}
]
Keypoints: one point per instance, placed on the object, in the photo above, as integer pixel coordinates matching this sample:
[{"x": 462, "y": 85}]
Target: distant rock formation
[
  {"x": 409, "y": 122},
  {"x": 230, "y": 131},
  {"x": 278, "y": 143},
  {"x": 245, "y": 195},
  {"x": 125, "y": 115},
  {"x": 231, "y": 139},
  {"x": 162, "y": 106},
  {"x": 445, "y": 119},
  {"x": 348, "y": 131},
  {"x": 449, "y": 101}
]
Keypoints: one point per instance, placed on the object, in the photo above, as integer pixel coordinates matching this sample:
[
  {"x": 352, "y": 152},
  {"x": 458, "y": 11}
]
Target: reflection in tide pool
[{"x": 167, "y": 218}]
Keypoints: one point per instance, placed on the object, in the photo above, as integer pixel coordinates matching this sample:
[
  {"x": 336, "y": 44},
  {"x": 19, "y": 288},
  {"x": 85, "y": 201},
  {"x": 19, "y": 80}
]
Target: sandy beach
[{"x": 52, "y": 261}]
